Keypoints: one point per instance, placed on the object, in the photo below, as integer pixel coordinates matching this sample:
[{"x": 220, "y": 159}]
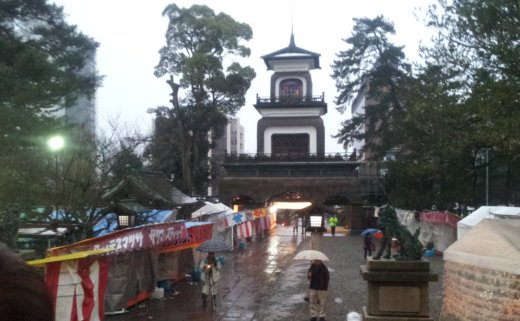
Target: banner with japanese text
[{"x": 142, "y": 237}]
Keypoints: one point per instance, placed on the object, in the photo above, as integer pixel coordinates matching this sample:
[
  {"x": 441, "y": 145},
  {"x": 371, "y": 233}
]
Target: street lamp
[{"x": 56, "y": 143}]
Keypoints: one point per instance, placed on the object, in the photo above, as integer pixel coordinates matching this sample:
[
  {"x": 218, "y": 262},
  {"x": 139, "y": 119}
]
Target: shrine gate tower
[{"x": 291, "y": 121}]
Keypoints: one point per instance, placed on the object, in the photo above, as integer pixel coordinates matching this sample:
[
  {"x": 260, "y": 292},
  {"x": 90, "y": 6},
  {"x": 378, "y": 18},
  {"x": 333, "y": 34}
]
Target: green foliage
[
  {"x": 126, "y": 162},
  {"x": 467, "y": 89},
  {"x": 377, "y": 68},
  {"x": 199, "y": 44},
  {"x": 458, "y": 112},
  {"x": 42, "y": 64},
  {"x": 41, "y": 57},
  {"x": 197, "y": 41},
  {"x": 9, "y": 222}
]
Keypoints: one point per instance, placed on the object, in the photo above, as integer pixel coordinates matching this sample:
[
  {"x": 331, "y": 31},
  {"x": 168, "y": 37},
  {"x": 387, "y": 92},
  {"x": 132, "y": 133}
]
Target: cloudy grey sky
[{"x": 131, "y": 32}]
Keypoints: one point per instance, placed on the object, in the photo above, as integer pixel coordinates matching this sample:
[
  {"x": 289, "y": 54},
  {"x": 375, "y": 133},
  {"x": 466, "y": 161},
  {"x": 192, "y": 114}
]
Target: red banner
[
  {"x": 259, "y": 212},
  {"x": 142, "y": 237},
  {"x": 440, "y": 217}
]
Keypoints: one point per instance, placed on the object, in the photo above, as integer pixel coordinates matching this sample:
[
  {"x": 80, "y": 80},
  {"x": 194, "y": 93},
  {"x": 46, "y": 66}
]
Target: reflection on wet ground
[
  {"x": 263, "y": 283},
  {"x": 248, "y": 276}
]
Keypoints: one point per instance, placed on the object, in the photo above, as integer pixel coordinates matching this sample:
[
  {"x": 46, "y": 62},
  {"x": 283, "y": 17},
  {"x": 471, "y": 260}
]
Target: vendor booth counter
[{"x": 123, "y": 267}]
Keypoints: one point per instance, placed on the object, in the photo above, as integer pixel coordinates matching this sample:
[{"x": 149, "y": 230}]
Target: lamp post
[
  {"x": 56, "y": 144},
  {"x": 487, "y": 176}
]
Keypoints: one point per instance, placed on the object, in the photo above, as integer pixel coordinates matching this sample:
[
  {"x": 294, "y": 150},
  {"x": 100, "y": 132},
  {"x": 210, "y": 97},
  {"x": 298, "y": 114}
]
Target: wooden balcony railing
[
  {"x": 290, "y": 100},
  {"x": 292, "y": 157}
]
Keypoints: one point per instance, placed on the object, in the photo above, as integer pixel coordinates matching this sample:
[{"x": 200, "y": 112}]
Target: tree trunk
[{"x": 187, "y": 180}]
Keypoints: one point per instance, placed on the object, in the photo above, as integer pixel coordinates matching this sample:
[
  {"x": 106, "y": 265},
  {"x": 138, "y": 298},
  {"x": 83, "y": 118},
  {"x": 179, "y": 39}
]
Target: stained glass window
[{"x": 291, "y": 88}]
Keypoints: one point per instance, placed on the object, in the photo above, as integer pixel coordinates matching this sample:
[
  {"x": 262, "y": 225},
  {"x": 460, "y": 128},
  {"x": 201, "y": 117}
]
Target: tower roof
[{"x": 292, "y": 52}]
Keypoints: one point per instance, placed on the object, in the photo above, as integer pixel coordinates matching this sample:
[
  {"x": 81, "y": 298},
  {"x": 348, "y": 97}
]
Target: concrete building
[
  {"x": 82, "y": 114},
  {"x": 232, "y": 142}
]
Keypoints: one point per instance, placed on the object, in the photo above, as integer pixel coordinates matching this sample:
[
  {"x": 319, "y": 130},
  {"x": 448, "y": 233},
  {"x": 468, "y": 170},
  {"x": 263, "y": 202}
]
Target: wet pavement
[{"x": 263, "y": 283}]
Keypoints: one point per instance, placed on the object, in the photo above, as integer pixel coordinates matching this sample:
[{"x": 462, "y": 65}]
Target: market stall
[
  {"x": 140, "y": 257},
  {"x": 438, "y": 229},
  {"x": 77, "y": 284}
]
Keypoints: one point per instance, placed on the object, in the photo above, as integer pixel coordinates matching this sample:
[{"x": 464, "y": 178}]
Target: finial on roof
[{"x": 291, "y": 42}]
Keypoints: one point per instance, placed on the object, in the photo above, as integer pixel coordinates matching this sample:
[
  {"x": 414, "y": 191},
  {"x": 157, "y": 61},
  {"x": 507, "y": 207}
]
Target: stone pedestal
[{"x": 397, "y": 290}]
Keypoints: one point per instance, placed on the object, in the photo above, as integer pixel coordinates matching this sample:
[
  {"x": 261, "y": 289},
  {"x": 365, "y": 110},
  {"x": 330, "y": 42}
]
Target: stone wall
[
  {"x": 318, "y": 188},
  {"x": 477, "y": 294}
]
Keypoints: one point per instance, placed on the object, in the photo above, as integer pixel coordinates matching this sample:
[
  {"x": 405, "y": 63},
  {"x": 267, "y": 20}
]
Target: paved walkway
[{"x": 263, "y": 283}]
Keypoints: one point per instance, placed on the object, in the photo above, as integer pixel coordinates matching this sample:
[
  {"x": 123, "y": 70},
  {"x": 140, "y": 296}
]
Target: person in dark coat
[
  {"x": 368, "y": 244},
  {"x": 318, "y": 276}
]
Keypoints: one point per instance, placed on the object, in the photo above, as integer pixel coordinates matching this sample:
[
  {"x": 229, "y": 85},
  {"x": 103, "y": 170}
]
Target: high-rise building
[
  {"x": 231, "y": 143},
  {"x": 82, "y": 114}
]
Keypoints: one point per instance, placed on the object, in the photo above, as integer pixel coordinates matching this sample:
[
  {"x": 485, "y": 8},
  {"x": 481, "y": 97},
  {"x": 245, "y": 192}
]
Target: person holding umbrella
[
  {"x": 211, "y": 275},
  {"x": 368, "y": 244},
  {"x": 211, "y": 267},
  {"x": 318, "y": 276},
  {"x": 368, "y": 241}
]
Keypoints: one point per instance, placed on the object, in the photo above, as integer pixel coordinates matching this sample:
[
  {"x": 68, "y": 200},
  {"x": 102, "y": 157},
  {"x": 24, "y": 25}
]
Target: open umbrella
[
  {"x": 311, "y": 255},
  {"x": 214, "y": 246},
  {"x": 369, "y": 231}
]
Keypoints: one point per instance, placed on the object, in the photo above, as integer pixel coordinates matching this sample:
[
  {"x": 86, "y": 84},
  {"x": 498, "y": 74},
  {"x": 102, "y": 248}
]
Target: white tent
[
  {"x": 484, "y": 212},
  {"x": 481, "y": 272},
  {"x": 208, "y": 209},
  {"x": 409, "y": 219},
  {"x": 216, "y": 213},
  {"x": 440, "y": 228},
  {"x": 492, "y": 244},
  {"x": 227, "y": 210}
]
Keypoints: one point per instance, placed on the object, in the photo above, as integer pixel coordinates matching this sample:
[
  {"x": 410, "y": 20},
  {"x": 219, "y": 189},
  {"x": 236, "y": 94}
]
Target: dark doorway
[{"x": 290, "y": 144}]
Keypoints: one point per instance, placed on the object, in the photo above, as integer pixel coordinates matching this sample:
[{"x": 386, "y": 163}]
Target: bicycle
[{"x": 212, "y": 287}]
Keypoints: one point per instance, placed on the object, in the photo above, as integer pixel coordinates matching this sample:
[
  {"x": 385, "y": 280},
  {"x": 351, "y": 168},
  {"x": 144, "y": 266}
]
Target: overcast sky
[{"x": 131, "y": 32}]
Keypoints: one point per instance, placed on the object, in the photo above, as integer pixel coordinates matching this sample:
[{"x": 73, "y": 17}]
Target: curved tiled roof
[
  {"x": 153, "y": 186},
  {"x": 291, "y": 52}
]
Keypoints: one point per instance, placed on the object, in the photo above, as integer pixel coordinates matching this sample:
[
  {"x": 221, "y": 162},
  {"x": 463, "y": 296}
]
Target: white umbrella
[{"x": 311, "y": 255}]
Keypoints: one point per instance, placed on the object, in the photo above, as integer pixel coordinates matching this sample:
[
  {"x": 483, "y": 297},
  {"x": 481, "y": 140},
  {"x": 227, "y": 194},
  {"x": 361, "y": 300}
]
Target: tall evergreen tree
[
  {"x": 41, "y": 57},
  {"x": 375, "y": 66},
  {"x": 198, "y": 44},
  {"x": 478, "y": 44},
  {"x": 461, "y": 110}
]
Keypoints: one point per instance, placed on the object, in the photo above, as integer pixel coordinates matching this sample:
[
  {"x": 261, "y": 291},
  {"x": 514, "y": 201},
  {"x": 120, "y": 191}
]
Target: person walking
[
  {"x": 333, "y": 221},
  {"x": 294, "y": 223},
  {"x": 368, "y": 244},
  {"x": 210, "y": 267},
  {"x": 318, "y": 276}
]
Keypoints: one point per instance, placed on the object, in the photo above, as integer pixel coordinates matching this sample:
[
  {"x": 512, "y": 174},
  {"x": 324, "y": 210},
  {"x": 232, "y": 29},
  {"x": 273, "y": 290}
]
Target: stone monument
[{"x": 397, "y": 286}]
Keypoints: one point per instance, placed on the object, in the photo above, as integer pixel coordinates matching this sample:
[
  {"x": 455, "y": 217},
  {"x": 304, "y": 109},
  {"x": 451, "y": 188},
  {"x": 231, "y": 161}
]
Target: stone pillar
[{"x": 397, "y": 290}]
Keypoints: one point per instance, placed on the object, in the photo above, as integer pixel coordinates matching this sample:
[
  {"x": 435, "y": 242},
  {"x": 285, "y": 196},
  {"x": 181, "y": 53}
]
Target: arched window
[{"x": 290, "y": 88}]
